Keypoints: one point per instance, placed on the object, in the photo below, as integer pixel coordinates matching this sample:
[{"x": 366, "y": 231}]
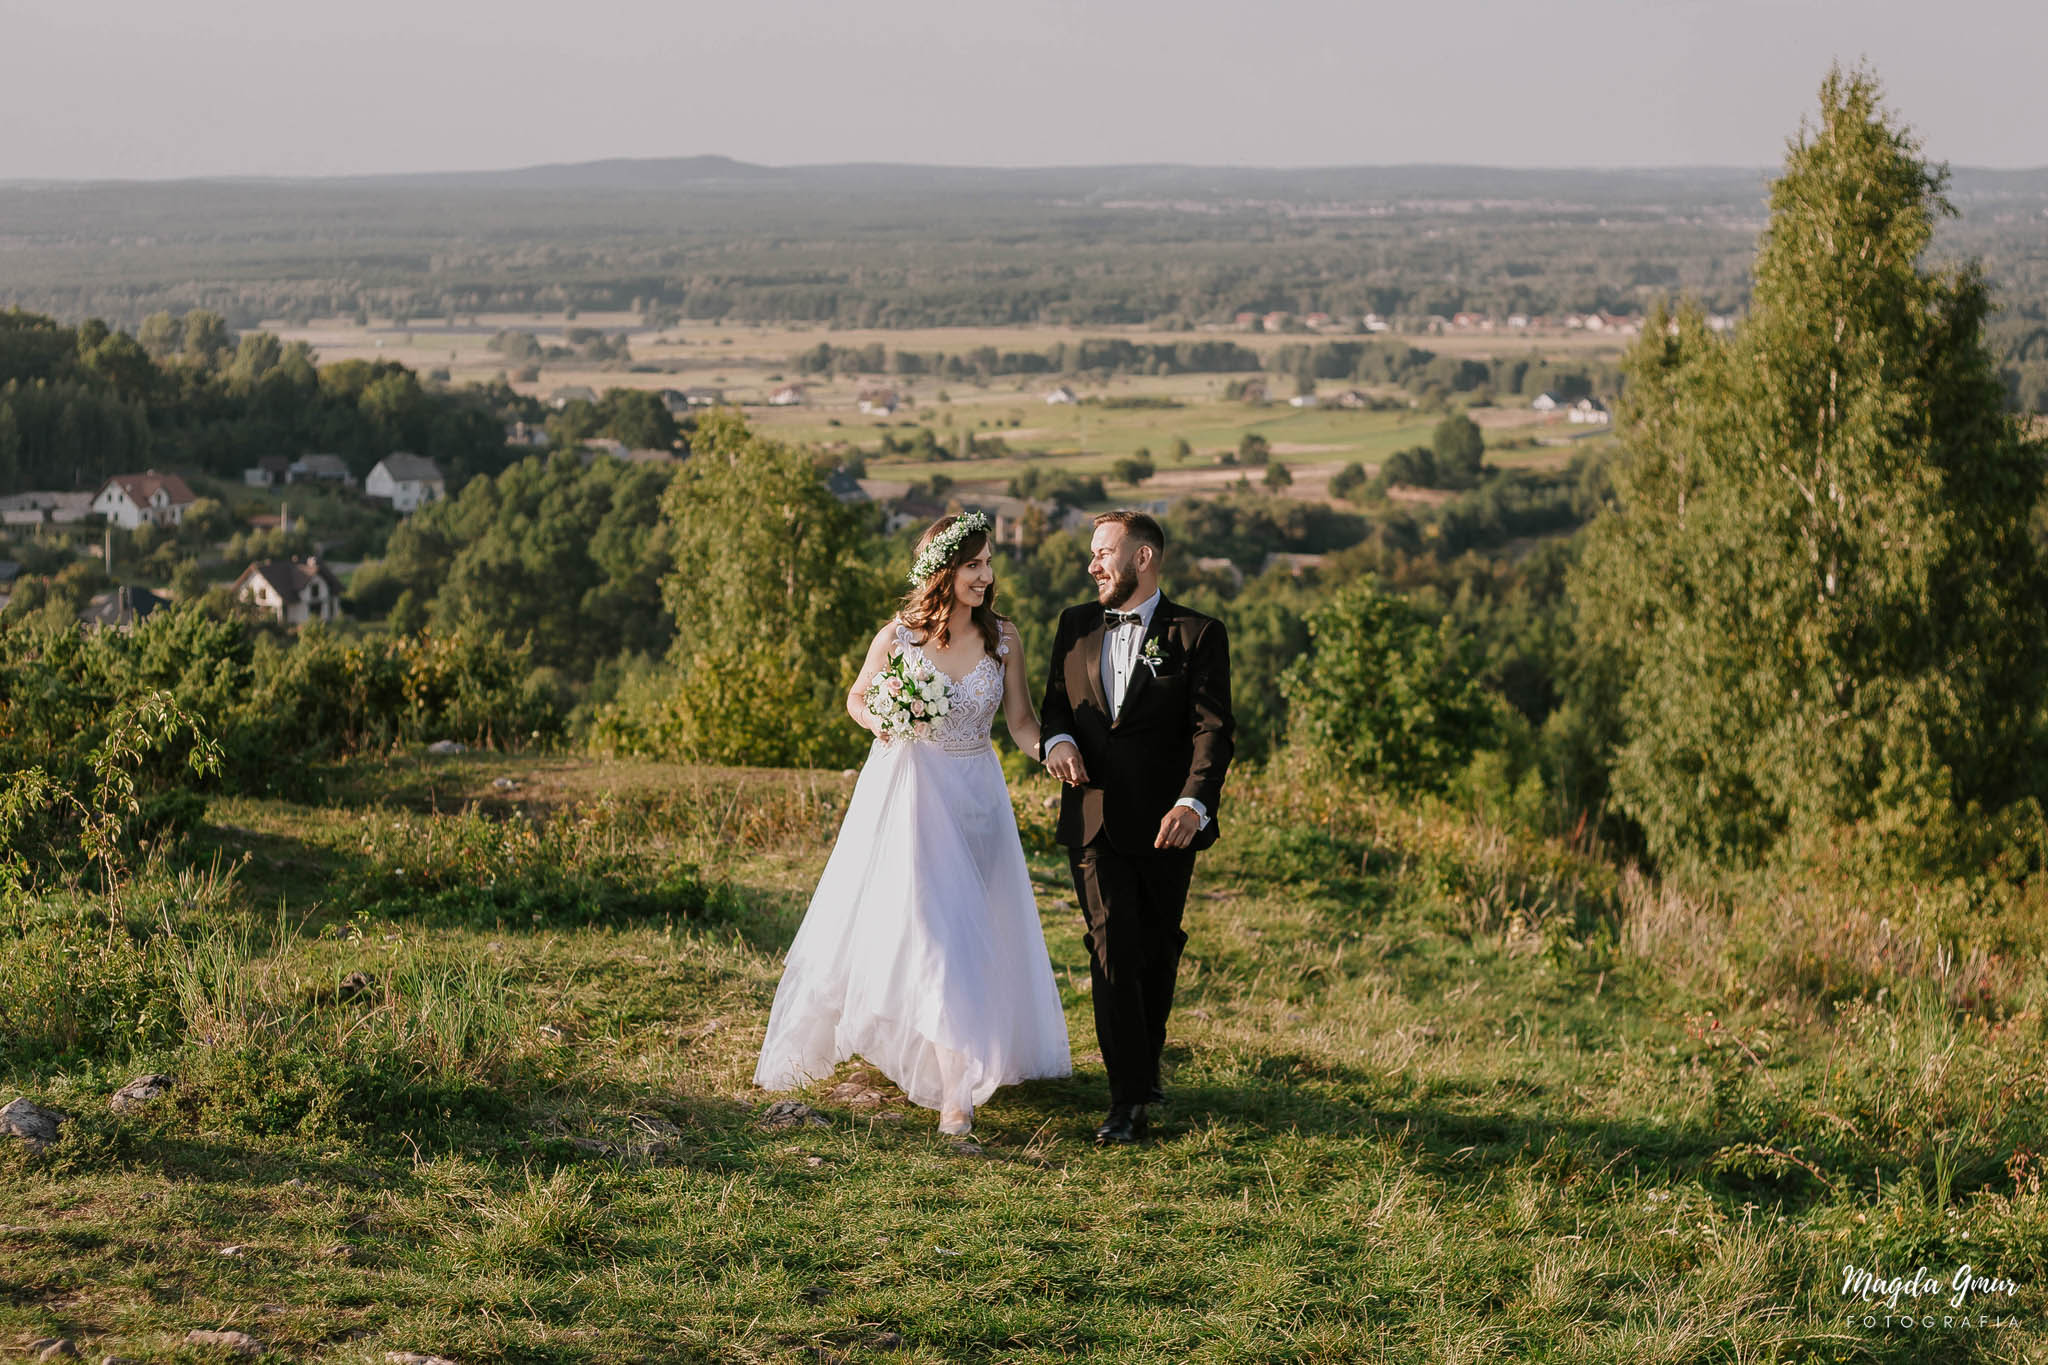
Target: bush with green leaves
[
  {"x": 1387, "y": 694},
  {"x": 268, "y": 709},
  {"x": 328, "y": 696},
  {"x": 72, "y": 703}
]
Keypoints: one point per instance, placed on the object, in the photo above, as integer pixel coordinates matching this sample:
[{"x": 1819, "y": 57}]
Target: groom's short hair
[{"x": 1137, "y": 526}]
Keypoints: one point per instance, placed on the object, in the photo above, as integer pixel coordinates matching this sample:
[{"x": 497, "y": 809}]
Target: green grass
[
  {"x": 1439, "y": 1092},
  {"x": 1336, "y": 438}
]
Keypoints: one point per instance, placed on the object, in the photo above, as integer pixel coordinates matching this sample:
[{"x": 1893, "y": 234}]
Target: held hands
[
  {"x": 1064, "y": 762},
  {"x": 1178, "y": 829}
]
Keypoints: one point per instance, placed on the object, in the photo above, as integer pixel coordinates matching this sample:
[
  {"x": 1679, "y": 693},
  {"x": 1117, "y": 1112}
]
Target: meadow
[
  {"x": 749, "y": 362},
  {"x": 463, "y": 1054}
]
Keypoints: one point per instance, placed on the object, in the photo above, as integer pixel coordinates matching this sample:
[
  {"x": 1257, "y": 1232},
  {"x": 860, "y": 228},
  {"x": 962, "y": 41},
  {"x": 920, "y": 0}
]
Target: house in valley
[
  {"x": 320, "y": 469},
  {"x": 293, "y": 591},
  {"x": 406, "y": 481},
  {"x": 44, "y": 508},
  {"x": 122, "y": 608},
  {"x": 268, "y": 472},
  {"x": 128, "y": 500}
]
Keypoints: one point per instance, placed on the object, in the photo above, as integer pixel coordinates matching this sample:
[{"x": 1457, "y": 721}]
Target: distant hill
[{"x": 612, "y": 173}]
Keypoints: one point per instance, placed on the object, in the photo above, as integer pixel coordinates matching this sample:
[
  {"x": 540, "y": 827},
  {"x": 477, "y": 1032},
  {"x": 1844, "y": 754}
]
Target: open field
[
  {"x": 742, "y": 354},
  {"x": 1438, "y": 1093},
  {"x": 748, "y": 363}
]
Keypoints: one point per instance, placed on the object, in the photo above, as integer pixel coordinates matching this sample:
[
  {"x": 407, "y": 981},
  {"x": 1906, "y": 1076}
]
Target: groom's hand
[
  {"x": 1064, "y": 762},
  {"x": 1178, "y": 829}
]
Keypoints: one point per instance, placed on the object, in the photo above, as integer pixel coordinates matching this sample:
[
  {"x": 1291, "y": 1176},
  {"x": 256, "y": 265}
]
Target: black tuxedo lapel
[
  {"x": 1141, "y": 672},
  {"x": 1086, "y": 655}
]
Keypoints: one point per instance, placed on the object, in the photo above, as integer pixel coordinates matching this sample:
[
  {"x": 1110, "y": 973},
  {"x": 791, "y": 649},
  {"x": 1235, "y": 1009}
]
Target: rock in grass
[
  {"x": 503, "y": 784},
  {"x": 656, "y": 1126},
  {"x": 856, "y": 1094},
  {"x": 790, "y": 1114},
  {"x": 234, "y": 1343},
  {"x": 886, "y": 1341},
  {"x": 55, "y": 1348},
  {"x": 444, "y": 747},
  {"x": 414, "y": 1358},
  {"x": 355, "y": 984},
  {"x": 140, "y": 1091},
  {"x": 32, "y": 1123}
]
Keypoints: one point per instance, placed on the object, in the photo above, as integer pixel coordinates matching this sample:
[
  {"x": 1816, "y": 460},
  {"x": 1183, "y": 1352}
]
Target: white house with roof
[
  {"x": 128, "y": 500},
  {"x": 294, "y": 591},
  {"x": 406, "y": 480},
  {"x": 1062, "y": 394},
  {"x": 44, "y": 508}
]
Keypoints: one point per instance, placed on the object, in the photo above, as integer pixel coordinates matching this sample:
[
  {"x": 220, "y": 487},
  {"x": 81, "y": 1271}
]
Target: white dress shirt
[{"x": 1122, "y": 646}]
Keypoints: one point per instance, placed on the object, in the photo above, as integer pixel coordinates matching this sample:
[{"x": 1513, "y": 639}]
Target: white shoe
[{"x": 956, "y": 1122}]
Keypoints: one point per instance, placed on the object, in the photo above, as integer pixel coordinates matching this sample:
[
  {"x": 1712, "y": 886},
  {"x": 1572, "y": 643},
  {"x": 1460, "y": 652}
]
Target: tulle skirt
[{"x": 921, "y": 951}]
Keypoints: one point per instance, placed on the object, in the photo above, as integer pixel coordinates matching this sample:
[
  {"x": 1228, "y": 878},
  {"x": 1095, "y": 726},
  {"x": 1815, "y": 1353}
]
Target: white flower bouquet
[{"x": 908, "y": 697}]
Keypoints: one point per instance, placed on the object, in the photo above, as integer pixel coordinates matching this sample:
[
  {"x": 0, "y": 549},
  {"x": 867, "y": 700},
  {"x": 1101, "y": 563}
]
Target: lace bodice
[{"x": 976, "y": 697}]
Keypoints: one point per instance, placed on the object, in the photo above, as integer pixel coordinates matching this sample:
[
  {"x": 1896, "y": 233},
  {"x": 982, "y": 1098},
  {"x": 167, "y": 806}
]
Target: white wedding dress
[{"x": 921, "y": 950}]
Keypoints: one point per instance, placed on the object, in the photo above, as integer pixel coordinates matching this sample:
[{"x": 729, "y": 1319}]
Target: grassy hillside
[{"x": 464, "y": 1062}]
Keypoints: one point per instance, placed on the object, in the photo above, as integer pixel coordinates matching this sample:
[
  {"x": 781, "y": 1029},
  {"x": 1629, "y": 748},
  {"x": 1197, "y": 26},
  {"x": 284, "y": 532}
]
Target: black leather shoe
[{"x": 1125, "y": 1125}]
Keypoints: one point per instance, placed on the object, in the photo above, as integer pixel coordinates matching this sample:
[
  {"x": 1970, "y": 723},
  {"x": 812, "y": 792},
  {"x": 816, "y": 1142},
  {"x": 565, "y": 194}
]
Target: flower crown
[{"x": 939, "y": 553}]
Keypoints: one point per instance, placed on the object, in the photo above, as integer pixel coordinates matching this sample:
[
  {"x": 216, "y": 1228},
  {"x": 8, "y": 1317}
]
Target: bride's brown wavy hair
[{"x": 928, "y": 607}]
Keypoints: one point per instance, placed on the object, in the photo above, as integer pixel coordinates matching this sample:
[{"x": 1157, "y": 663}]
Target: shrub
[{"x": 1386, "y": 694}]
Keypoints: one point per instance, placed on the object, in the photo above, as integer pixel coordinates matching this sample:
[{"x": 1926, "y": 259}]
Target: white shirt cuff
[
  {"x": 1057, "y": 740},
  {"x": 1197, "y": 807}
]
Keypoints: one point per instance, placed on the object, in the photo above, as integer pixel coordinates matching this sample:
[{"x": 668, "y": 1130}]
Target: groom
[{"x": 1137, "y": 714}]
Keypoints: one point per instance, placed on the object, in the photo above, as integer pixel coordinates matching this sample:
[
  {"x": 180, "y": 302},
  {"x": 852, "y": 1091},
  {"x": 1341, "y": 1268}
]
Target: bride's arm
[
  {"x": 875, "y": 662},
  {"x": 1018, "y": 712}
]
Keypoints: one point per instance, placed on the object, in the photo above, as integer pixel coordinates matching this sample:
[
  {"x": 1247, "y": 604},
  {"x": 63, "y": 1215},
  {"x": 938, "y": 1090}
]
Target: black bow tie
[{"x": 1113, "y": 619}]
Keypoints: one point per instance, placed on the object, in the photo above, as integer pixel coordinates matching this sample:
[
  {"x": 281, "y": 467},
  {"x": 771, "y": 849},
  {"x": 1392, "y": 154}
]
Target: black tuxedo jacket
[{"x": 1171, "y": 739}]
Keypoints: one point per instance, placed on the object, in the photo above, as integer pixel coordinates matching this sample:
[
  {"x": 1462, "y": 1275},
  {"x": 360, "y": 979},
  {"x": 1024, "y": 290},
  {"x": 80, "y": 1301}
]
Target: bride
[{"x": 921, "y": 950}]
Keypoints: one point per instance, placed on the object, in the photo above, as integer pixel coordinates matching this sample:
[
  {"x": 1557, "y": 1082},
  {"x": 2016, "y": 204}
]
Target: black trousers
[{"x": 1132, "y": 907}]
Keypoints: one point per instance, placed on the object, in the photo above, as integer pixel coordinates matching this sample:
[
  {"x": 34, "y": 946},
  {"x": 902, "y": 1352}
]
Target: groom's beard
[{"x": 1120, "y": 588}]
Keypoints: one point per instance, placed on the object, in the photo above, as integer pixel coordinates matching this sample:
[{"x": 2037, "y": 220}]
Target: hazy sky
[{"x": 145, "y": 88}]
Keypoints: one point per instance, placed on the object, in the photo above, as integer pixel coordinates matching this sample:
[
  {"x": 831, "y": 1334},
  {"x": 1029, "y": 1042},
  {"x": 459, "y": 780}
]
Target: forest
[{"x": 880, "y": 246}]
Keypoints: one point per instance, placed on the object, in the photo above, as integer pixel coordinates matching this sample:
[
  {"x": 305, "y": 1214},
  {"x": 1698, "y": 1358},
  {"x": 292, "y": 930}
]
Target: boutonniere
[{"x": 1152, "y": 658}]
